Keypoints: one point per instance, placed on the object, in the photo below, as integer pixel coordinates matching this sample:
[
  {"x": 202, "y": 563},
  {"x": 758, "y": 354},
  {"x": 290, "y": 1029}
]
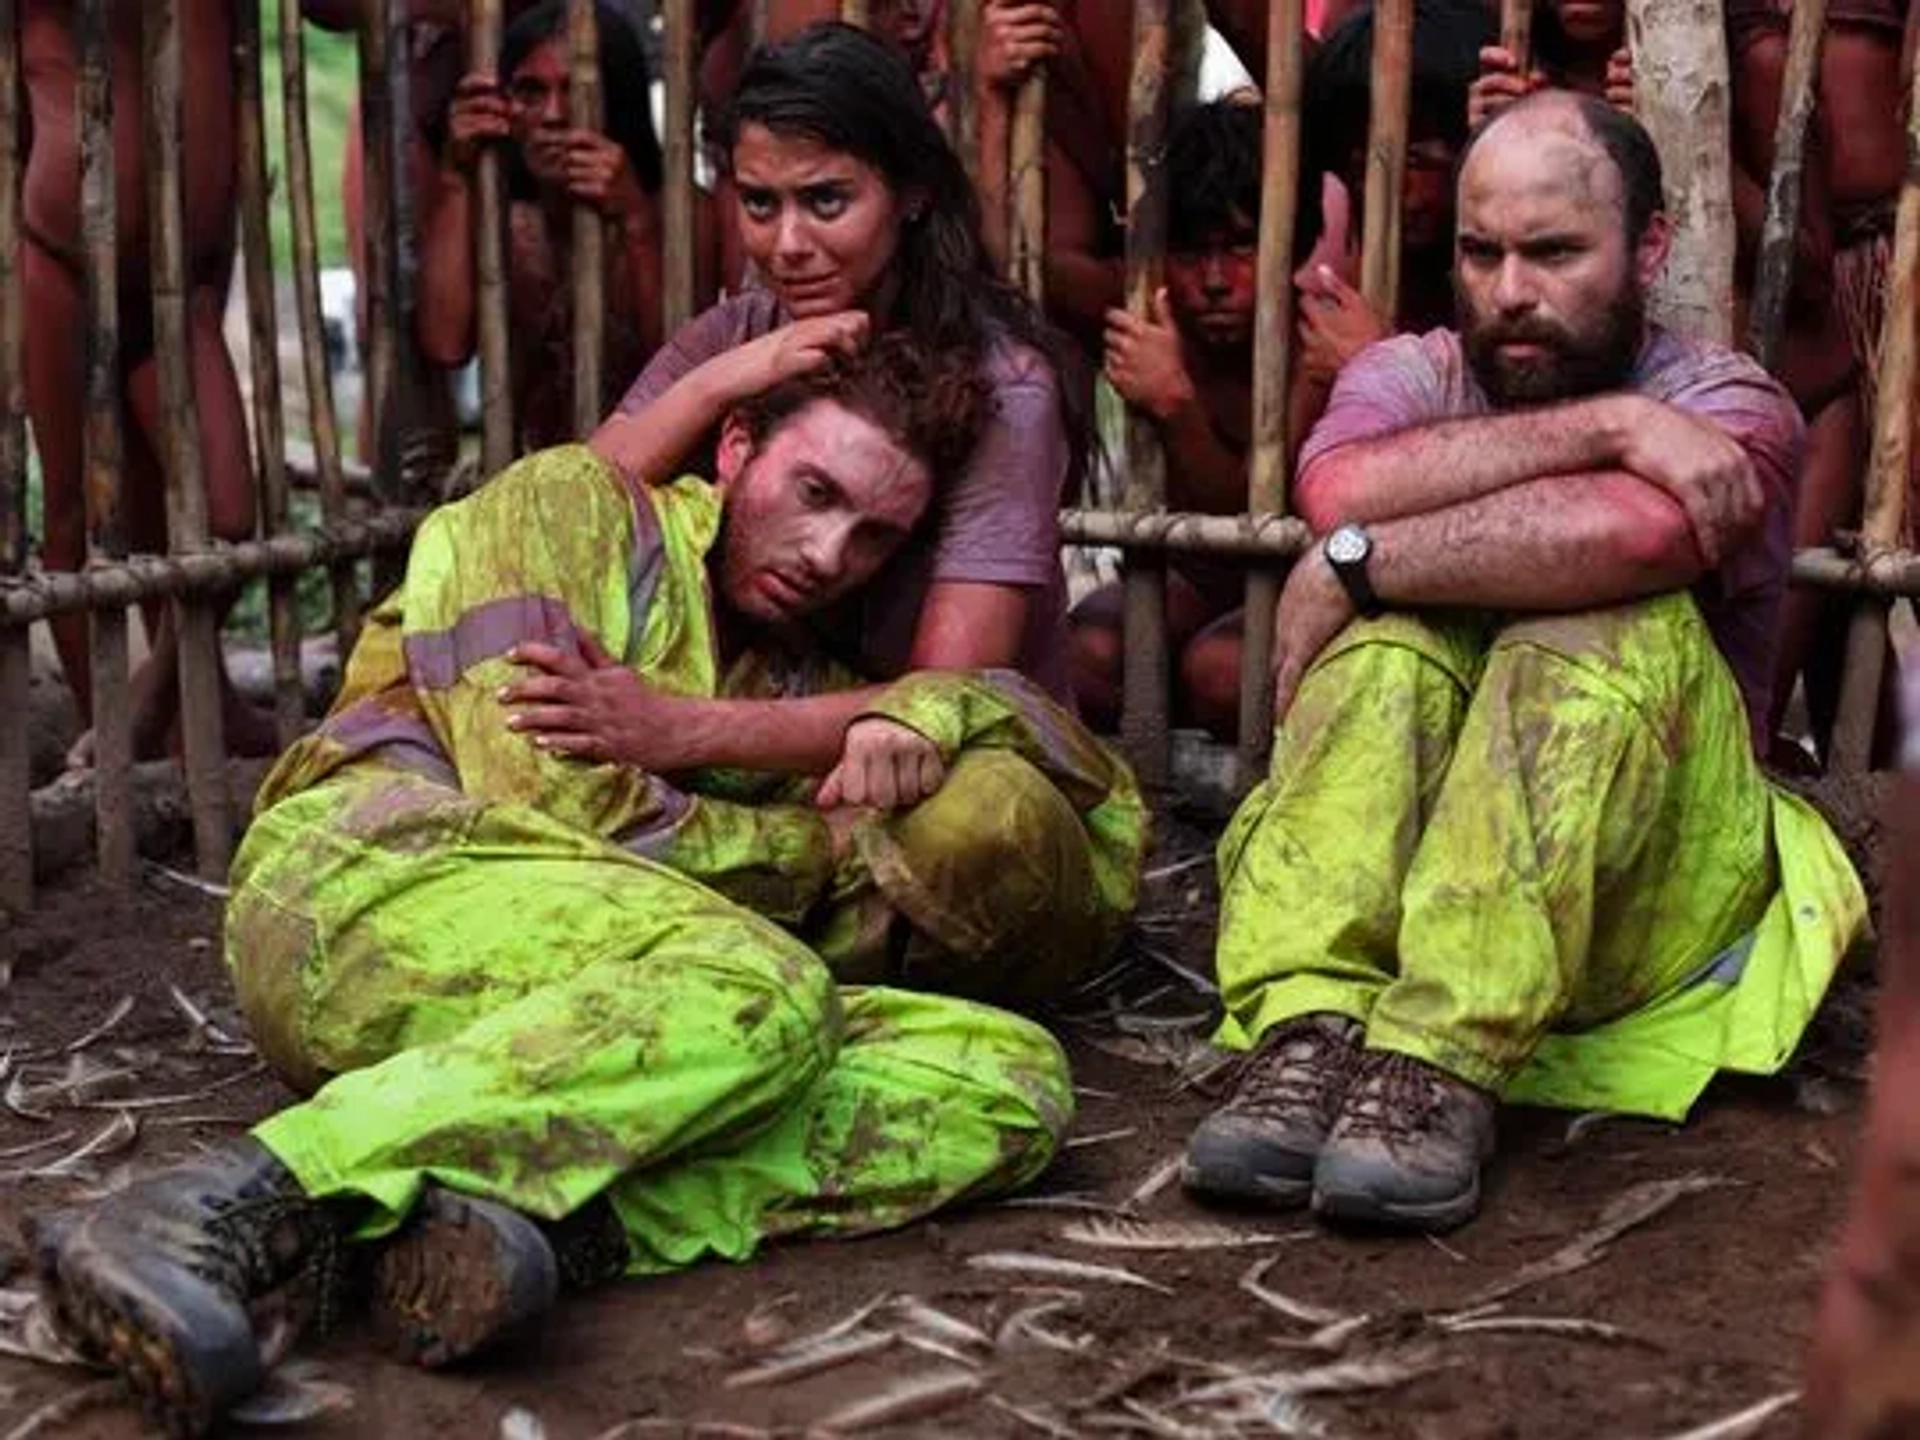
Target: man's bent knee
[{"x": 994, "y": 874}]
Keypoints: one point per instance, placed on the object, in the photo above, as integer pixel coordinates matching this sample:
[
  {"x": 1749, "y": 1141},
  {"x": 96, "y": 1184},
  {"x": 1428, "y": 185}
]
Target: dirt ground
[{"x": 1696, "y": 1313}]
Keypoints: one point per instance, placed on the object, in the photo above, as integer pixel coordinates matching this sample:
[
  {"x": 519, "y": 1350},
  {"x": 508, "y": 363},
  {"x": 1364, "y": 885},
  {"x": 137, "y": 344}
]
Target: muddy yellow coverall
[
  {"x": 1538, "y": 853},
  {"x": 539, "y": 981}
]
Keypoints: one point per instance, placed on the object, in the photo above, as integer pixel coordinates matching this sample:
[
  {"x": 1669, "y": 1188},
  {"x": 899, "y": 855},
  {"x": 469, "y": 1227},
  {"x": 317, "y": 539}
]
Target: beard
[{"x": 1571, "y": 365}]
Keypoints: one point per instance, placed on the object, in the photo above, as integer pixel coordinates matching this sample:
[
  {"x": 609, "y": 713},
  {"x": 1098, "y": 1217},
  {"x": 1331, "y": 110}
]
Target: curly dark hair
[
  {"x": 840, "y": 87},
  {"x": 625, "y": 81},
  {"x": 934, "y": 403}
]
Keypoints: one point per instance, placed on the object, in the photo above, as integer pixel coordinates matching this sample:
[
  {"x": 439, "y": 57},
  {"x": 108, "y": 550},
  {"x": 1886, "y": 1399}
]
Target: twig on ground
[
  {"x": 1172, "y": 1235},
  {"x": 1630, "y": 1209},
  {"x": 122, "y": 1008},
  {"x": 1103, "y": 1137},
  {"x": 913, "y": 1398},
  {"x": 1157, "y": 1179},
  {"x": 1014, "y": 1262},
  {"x": 55, "y": 1412},
  {"x": 1293, "y": 1309},
  {"x": 826, "y": 1355},
  {"x": 1742, "y": 1423}
]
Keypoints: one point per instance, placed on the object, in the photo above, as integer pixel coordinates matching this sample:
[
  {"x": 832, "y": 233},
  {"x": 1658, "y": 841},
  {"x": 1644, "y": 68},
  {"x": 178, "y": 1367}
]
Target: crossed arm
[{"x": 1557, "y": 508}]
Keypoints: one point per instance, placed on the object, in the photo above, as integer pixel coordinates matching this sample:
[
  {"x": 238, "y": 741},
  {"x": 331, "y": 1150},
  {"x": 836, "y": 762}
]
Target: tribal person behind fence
[
  {"x": 541, "y": 1052},
  {"x": 1514, "y": 843}
]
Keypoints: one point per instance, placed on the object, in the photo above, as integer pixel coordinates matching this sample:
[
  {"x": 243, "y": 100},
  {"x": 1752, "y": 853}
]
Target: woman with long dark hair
[
  {"x": 551, "y": 167},
  {"x": 858, "y": 218}
]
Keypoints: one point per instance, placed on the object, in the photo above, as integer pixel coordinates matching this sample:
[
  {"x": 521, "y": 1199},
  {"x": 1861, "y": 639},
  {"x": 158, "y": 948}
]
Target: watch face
[{"x": 1347, "y": 545}]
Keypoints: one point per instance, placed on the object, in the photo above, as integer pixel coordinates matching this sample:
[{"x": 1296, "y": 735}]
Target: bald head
[
  {"x": 1575, "y": 140},
  {"x": 1559, "y": 236}
]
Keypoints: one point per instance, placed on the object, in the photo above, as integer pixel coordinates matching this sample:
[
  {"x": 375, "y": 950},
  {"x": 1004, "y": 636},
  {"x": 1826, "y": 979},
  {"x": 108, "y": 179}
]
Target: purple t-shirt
[
  {"x": 998, "y": 521},
  {"x": 1420, "y": 379}
]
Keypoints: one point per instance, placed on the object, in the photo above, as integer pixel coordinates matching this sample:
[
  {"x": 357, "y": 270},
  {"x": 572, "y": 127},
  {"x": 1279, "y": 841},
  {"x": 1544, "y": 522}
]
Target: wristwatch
[{"x": 1347, "y": 550}]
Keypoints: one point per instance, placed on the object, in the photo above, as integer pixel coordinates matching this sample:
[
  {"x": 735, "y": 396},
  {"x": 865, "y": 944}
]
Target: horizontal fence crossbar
[
  {"x": 151, "y": 577},
  {"x": 1888, "y": 573}
]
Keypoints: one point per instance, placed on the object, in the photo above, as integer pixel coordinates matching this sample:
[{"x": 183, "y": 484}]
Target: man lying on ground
[
  {"x": 1514, "y": 843},
  {"x": 534, "y": 984}
]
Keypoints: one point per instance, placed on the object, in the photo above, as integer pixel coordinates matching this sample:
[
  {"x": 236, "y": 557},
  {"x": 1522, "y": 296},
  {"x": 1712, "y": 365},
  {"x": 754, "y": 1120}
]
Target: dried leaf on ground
[
  {"x": 60, "y": 1410},
  {"x": 1742, "y": 1423},
  {"x": 1157, "y": 1179},
  {"x": 1381, "y": 1371},
  {"x": 937, "y": 1324},
  {"x": 1627, "y": 1211},
  {"x": 912, "y": 1398},
  {"x": 1253, "y": 1282},
  {"x": 797, "y": 1363},
  {"x": 1023, "y": 1328},
  {"x": 1053, "y": 1267},
  {"x": 115, "y": 1136},
  {"x": 1570, "y": 1327},
  {"x": 27, "y": 1330},
  {"x": 298, "y": 1392},
  {"x": 1172, "y": 1235}
]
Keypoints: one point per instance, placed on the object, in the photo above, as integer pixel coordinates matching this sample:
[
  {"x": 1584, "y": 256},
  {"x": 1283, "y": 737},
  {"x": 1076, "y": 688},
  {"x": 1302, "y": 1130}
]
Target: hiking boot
[
  {"x": 463, "y": 1272},
  {"x": 1261, "y": 1145},
  {"x": 156, "y": 1280},
  {"x": 1407, "y": 1148}
]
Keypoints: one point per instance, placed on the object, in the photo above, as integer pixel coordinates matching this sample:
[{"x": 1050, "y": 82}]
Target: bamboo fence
[{"x": 372, "y": 513}]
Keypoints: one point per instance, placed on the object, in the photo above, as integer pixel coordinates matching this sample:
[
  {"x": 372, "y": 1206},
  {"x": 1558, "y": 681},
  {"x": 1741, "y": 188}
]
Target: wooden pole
[
  {"x": 322, "y": 421},
  {"x": 263, "y": 320},
  {"x": 16, "y": 657},
  {"x": 1143, "y": 721},
  {"x": 1391, "y": 88},
  {"x": 756, "y": 24},
  {"x": 490, "y": 253},
  {"x": 589, "y": 259},
  {"x": 963, "y": 111},
  {"x": 196, "y": 619},
  {"x": 1680, "y": 86},
  {"x": 382, "y": 267},
  {"x": 1516, "y": 32},
  {"x": 101, "y": 444},
  {"x": 677, "y": 282},
  {"x": 856, "y": 12},
  {"x": 1773, "y": 280},
  {"x": 1888, "y": 471},
  {"x": 1027, "y": 184},
  {"x": 1267, "y": 471}
]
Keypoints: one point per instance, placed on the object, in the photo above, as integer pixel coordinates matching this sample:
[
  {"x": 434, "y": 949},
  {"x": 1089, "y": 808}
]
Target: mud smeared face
[
  {"x": 813, "y": 512},
  {"x": 822, "y": 226},
  {"x": 1214, "y": 284},
  {"x": 1550, "y": 295}
]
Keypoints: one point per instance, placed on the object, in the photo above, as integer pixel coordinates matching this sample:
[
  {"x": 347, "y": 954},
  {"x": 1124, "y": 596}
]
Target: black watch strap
[{"x": 1349, "y": 564}]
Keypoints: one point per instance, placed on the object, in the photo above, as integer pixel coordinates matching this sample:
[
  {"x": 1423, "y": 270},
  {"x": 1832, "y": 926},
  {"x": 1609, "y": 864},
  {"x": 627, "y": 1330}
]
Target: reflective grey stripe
[{"x": 436, "y": 659}]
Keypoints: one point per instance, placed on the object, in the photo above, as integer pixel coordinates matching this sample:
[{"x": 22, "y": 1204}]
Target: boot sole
[
  {"x": 1227, "y": 1181},
  {"x": 463, "y": 1273},
  {"x": 1433, "y": 1216},
  {"x": 161, "y": 1354}
]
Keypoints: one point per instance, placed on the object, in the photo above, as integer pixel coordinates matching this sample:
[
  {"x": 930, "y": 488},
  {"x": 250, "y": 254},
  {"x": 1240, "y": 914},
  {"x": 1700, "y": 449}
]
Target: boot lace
[
  {"x": 1294, "y": 1070},
  {"x": 1395, "y": 1098}
]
